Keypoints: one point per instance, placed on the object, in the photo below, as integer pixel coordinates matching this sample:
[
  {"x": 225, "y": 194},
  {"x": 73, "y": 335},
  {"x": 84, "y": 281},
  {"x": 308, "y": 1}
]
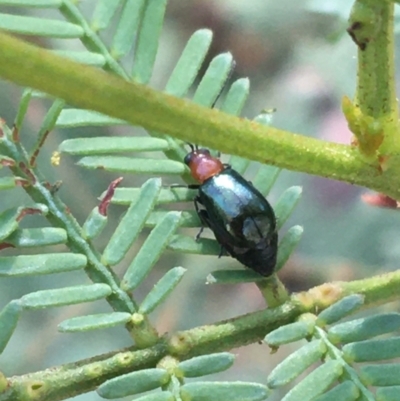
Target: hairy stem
[
  {"x": 375, "y": 95},
  {"x": 373, "y": 117},
  {"x": 89, "y": 88},
  {"x": 60, "y": 217},
  {"x": 58, "y": 383}
]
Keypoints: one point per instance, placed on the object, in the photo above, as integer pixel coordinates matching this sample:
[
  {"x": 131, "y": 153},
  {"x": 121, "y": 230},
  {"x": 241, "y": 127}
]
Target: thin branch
[
  {"x": 373, "y": 116},
  {"x": 59, "y": 216},
  {"x": 58, "y": 383},
  {"x": 376, "y": 92},
  {"x": 89, "y": 88}
]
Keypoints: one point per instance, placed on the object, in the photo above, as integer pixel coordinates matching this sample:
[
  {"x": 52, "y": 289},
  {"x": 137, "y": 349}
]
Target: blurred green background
[{"x": 300, "y": 62}]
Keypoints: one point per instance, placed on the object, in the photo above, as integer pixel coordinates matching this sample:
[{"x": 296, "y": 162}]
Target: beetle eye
[{"x": 188, "y": 158}]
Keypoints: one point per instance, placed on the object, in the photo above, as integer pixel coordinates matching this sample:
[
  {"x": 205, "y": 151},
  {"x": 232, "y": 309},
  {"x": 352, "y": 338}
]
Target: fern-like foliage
[
  {"x": 154, "y": 363},
  {"x": 340, "y": 347}
]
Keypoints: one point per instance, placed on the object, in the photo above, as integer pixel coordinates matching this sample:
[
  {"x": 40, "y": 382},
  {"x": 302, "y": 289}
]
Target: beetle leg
[
  {"x": 205, "y": 220},
  {"x": 222, "y": 252},
  {"x": 196, "y": 206},
  {"x": 202, "y": 215},
  {"x": 190, "y": 186},
  {"x": 198, "y": 235}
]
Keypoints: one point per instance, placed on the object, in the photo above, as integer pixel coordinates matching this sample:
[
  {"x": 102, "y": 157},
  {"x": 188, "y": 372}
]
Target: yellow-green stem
[
  {"x": 58, "y": 383},
  {"x": 273, "y": 291},
  {"x": 376, "y": 95},
  {"x": 89, "y": 88}
]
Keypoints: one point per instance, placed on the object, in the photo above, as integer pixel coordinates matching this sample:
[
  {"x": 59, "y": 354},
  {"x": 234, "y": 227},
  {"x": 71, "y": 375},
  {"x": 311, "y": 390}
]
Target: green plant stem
[
  {"x": 273, "y": 291},
  {"x": 59, "y": 216},
  {"x": 350, "y": 372},
  {"x": 376, "y": 94},
  {"x": 69, "y": 380},
  {"x": 89, "y": 88},
  {"x": 91, "y": 40},
  {"x": 373, "y": 117}
]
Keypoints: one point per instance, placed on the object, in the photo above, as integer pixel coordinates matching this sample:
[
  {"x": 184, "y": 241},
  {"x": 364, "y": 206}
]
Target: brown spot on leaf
[{"x": 28, "y": 210}]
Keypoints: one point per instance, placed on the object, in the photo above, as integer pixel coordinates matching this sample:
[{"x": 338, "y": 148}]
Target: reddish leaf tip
[{"x": 103, "y": 206}]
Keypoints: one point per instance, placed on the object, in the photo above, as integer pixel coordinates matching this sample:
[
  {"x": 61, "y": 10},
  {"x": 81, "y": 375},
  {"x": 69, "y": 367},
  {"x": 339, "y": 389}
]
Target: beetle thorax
[{"x": 204, "y": 167}]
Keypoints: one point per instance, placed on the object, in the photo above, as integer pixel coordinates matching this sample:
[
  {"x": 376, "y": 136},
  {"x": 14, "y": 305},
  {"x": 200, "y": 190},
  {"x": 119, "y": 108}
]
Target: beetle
[{"x": 240, "y": 217}]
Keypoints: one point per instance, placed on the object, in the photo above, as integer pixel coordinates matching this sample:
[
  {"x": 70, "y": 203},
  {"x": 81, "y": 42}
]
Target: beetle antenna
[
  {"x": 190, "y": 146},
  {"x": 228, "y": 77}
]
